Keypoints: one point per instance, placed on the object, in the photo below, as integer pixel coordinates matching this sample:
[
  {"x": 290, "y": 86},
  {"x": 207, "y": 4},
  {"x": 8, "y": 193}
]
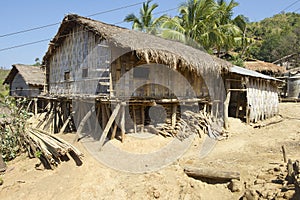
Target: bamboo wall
[
  {"x": 262, "y": 99},
  {"x": 159, "y": 81},
  {"x": 80, "y": 50}
]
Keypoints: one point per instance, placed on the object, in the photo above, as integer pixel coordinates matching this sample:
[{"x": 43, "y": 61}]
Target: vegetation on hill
[
  {"x": 3, "y": 88},
  {"x": 276, "y": 37},
  {"x": 211, "y": 25}
]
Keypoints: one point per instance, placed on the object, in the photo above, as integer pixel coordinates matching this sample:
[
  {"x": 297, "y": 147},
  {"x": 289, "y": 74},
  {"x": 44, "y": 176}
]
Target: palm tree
[
  {"x": 191, "y": 24},
  {"x": 145, "y": 22},
  {"x": 205, "y": 22}
]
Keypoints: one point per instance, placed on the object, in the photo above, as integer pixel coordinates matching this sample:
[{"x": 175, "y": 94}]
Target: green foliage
[
  {"x": 276, "y": 37},
  {"x": 146, "y": 22},
  {"x": 12, "y": 128},
  {"x": 37, "y": 62},
  {"x": 3, "y": 88}
]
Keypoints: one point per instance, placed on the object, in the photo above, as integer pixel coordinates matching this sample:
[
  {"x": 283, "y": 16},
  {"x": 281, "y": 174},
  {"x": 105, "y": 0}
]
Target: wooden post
[
  {"x": 97, "y": 118},
  {"x": 113, "y": 134},
  {"x": 238, "y": 105},
  {"x": 104, "y": 116},
  {"x": 123, "y": 123},
  {"x": 134, "y": 118},
  {"x": 108, "y": 125},
  {"x": 143, "y": 118},
  {"x": 173, "y": 117},
  {"x": 55, "y": 130},
  {"x": 35, "y": 106},
  {"x": 2, "y": 164},
  {"x": 65, "y": 125},
  {"x": 284, "y": 153},
  {"x": 226, "y": 105}
]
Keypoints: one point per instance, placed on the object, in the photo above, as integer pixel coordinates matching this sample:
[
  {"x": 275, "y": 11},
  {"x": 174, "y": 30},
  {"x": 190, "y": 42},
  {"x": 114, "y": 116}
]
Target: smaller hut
[
  {"x": 25, "y": 80},
  {"x": 265, "y": 67}
]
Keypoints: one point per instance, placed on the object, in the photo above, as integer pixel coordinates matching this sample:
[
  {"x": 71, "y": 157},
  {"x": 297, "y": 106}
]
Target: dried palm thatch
[
  {"x": 264, "y": 67},
  {"x": 32, "y": 75},
  {"x": 147, "y": 47}
]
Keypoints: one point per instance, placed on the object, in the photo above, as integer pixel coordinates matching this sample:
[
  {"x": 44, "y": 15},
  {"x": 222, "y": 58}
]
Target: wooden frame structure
[{"x": 123, "y": 74}]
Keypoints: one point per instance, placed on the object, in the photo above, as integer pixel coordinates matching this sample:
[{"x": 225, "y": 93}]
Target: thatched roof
[
  {"x": 264, "y": 67},
  {"x": 148, "y": 47},
  {"x": 32, "y": 75}
]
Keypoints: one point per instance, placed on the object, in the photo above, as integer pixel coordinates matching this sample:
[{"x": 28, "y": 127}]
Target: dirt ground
[{"x": 254, "y": 152}]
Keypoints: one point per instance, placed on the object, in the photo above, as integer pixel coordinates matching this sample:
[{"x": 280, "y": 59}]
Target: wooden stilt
[
  {"x": 108, "y": 125},
  {"x": 173, "y": 117},
  {"x": 104, "y": 116},
  {"x": 97, "y": 118},
  {"x": 123, "y": 124},
  {"x": 35, "y": 106},
  {"x": 238, "y": 104},
  {"x": 134, "y": 118},
  {"x": 65, "y": 125},
  {"x": 84, "y": 120},
  {"x": 143, "y": 118},
  {"x": 226, "y": 105},
  {"x": 113, "y": 135}
]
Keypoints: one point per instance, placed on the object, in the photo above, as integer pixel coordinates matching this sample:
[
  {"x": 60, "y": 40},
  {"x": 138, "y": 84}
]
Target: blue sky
[{"x": 19, "y": 15}]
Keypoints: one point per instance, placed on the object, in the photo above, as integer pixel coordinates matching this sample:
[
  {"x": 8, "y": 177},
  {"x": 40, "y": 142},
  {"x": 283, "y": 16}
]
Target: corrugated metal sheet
[{"x": 247, "y": 72}]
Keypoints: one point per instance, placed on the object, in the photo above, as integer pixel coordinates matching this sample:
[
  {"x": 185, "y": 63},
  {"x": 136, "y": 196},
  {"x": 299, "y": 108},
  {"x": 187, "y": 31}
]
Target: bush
[{"x": 12, "y": 128}]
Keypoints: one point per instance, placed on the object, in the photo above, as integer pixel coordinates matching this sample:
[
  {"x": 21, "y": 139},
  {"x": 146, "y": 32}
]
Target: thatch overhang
[
  {"x": 264, "y": 67},
  {"x": 152, "y": 49},
  {"x": 32, "y": 75}
]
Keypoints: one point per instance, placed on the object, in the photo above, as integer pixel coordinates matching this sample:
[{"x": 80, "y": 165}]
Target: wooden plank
[
  {"x": 108, "y": 125},
  {"x": 211, "y": 173},
  {"x": 123, "y": 124}
]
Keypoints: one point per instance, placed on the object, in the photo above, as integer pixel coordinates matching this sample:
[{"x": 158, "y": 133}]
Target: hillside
[
  {"x": 275, "y": 37},
  {"x": 3, "y": 89}
]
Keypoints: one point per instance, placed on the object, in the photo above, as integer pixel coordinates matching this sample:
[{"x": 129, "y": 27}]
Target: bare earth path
[{"x": 252, "y": 152}]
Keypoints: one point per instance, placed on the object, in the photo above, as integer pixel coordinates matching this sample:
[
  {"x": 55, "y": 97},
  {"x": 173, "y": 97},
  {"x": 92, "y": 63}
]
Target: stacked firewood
[
  {"x": 50, "y": 149},
  {"x": 190, "y": 123}
]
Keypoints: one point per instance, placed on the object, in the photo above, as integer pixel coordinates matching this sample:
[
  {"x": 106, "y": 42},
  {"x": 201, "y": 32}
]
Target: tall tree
[
  {"x": 145, "y": 22},
  {"x": 205, "y": 22}
]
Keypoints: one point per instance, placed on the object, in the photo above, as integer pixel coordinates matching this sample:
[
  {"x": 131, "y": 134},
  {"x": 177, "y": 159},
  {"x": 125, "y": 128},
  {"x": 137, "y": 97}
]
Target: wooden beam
[
  {"x": 237, "y": 90},
  {"x": 108, "y": 125}
]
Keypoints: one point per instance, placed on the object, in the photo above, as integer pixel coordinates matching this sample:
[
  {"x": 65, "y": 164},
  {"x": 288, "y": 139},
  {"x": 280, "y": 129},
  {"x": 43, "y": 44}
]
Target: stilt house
[{"x": 114, "y": 67}]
